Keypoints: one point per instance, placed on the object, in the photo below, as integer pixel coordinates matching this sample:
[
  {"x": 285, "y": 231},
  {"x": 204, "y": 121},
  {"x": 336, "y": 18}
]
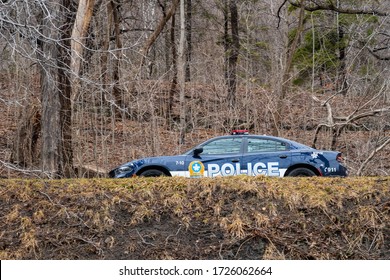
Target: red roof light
[{"x": 239, "y": 131}]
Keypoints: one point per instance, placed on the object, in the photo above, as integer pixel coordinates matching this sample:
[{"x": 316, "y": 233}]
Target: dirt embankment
[{"x": 178, "y": 218}]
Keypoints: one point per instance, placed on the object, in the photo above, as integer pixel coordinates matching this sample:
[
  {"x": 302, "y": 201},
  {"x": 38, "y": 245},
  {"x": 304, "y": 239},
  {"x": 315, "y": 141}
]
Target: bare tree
[
  {"x": 188, "y": 39},
  {"x": 54, "y": 58},
  {"x": 181, "y": 66},
  {"x": 79, "y": 31},
  {"x": 286, "y": 78},
  {"x": 231, "y": 46}
]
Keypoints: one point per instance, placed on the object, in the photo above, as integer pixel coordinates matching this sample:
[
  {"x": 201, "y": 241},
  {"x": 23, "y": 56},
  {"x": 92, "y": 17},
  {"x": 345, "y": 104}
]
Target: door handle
[
  {"x": 235, "y": 160},
  {"x": 283, "y": 156}
]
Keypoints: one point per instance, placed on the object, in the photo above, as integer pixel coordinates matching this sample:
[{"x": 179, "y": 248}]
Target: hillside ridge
[{"x": 177, "y": 218}]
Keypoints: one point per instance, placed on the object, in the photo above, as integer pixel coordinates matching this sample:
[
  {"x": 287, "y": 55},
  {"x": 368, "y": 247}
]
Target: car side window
[
  {"x": 265, "y": 145},
  {"x": 223, "y": 146}
]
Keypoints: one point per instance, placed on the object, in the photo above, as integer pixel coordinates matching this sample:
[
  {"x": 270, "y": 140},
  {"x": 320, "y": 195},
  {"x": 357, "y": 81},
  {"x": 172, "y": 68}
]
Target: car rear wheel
[
  {"x": 301, "y": 172},
  {"x": 152, "y": 173}
]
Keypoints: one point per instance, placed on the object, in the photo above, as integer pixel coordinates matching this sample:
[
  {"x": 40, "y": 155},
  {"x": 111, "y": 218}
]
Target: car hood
[{"x": 160, "y": 160}]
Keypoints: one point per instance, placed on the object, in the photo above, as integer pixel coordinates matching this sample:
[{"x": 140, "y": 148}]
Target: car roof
[
  {"x": 291, "y": 142},
  {"x": 254, "y": 136}
]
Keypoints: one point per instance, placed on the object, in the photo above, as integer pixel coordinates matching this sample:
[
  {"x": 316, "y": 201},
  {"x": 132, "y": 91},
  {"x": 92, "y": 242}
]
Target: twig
[
  {"x": 68, "y": 215},
  {"x": 242, "y": 244},
  {"x": 143, "y": 240},
  {"x": 220, "y": 250},
  {"x": 171, "y": 235},
  {"x": 94, "y": 244}
]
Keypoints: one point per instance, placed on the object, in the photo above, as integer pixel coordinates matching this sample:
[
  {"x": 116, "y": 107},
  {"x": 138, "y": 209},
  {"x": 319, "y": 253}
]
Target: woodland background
[{"x": 86, "y": 85}]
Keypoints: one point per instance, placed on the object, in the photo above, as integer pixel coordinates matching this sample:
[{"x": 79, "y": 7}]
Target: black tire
[
  {"x": 152, "y": 173},
  {"x": 301, "y": 172}
]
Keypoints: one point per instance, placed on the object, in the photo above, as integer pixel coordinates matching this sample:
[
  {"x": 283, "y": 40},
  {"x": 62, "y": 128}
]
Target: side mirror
[{"x": 198, "y": 151}]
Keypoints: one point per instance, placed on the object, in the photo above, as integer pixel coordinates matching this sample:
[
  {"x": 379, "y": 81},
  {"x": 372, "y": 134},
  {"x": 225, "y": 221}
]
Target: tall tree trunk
[
  {"x": 116, "y": 91},
  {"x": 233, "y": 55},
  {"x": 57, "y": 153},
  {"x": 341, "y": 83},
  {"x": 188, "y": 39},
  {"x": 112, "y": 21},
  {"x": 51, "y": 106},
  {"x": 173, "y": 88},
  {"x": 226, "y": 44},
  {"x": 170, "y": 45},
  {"x": 66, "y": 105},
  {"x": 231, "y": 44},
  {"x": 181, "y": 73},
  {"x": 106, "y": 46},
  {"x": 286, "y": 74},
  {"x": 79, "y": 32}
]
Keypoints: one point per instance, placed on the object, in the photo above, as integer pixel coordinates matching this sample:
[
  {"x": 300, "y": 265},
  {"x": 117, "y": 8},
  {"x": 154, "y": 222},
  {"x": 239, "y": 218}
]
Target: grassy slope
[{"x": 178, "y": 218}]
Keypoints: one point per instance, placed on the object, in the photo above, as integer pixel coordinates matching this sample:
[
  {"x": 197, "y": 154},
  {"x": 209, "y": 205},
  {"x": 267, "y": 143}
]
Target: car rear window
[{"x": 265, "y": 145}]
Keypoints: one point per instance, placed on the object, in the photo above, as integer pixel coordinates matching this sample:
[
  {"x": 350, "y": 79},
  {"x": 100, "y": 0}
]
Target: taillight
[{"x": 339, "y": 158}]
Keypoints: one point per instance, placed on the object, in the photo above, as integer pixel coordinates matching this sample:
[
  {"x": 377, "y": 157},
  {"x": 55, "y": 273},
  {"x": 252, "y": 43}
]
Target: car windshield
[{"x": 222, "y": 146}]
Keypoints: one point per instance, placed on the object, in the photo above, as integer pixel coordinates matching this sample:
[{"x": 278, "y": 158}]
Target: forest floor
[{"x": 177, "y": 218}]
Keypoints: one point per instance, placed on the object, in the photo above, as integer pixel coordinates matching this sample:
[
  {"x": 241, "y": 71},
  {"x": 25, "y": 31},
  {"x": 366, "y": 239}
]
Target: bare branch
[
  {"x": 156, "y": 33},
  {"x": 31, "y": 172},
  {"x": 377, "y": 56},
  {"x": 373, "y": 153},
  {"x": 279, "y": 10},
  {"x": 338, "y": 123},
  {"x": 352, "y": 118},
  {"x": 330, "y": 6}
]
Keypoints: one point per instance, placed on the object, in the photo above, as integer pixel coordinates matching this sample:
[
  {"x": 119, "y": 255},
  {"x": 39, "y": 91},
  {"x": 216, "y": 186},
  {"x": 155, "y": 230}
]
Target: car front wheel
[
  {"x": 301, "y": 172},
  {"x": 152, "y": 173}
]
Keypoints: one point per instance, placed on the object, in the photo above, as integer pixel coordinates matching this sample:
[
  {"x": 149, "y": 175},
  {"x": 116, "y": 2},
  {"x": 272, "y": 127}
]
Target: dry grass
[{"x": 230, "y": 218}]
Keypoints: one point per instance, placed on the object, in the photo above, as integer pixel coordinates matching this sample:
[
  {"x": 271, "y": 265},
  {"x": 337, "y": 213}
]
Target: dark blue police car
[{"x": 236, "y": 154}]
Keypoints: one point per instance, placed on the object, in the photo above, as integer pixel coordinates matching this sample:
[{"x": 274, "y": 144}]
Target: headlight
[{"x": 125, "y": 169}]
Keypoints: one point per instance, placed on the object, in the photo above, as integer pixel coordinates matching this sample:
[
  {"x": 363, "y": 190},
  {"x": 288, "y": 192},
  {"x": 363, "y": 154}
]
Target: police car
[{"x": 237, "y": 154}]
